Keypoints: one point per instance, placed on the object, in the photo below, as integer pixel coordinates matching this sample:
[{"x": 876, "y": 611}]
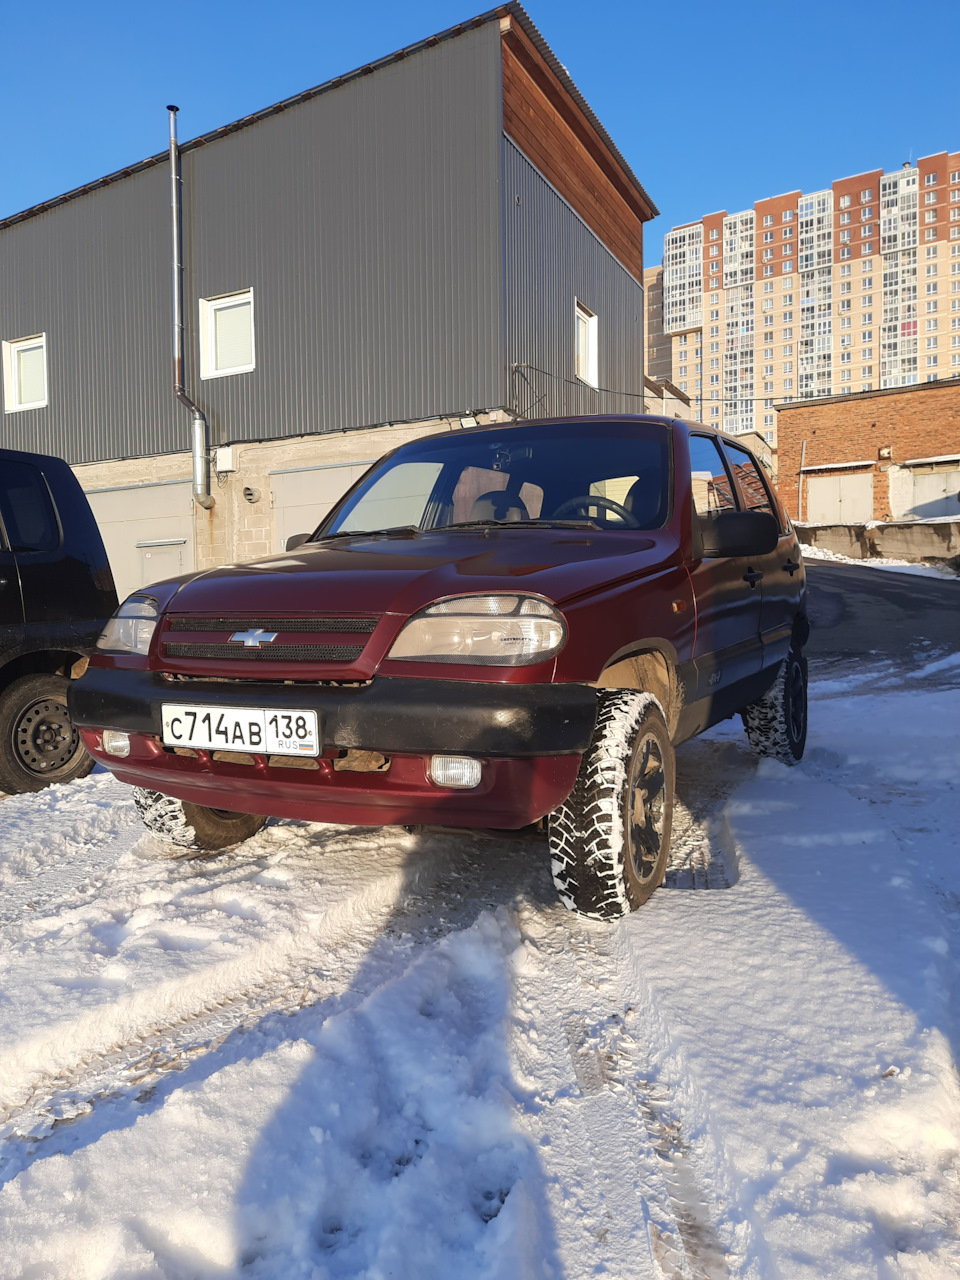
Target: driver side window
[{"x": 710, "y": 482}]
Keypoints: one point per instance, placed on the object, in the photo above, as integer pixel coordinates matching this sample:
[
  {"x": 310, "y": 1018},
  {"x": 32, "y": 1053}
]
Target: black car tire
[
  {"x": 39, "y": 744},
  {"x": 776, "y": 724},
  {"x": 610, "y": 840},
  {"x": 194, "y": 826}
]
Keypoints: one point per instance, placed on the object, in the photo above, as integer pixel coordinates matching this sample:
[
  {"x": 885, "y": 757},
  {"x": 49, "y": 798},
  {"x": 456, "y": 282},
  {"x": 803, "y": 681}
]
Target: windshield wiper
[
  {"x": 401, "y": 531},
  {"x": 522, "y": 524}
]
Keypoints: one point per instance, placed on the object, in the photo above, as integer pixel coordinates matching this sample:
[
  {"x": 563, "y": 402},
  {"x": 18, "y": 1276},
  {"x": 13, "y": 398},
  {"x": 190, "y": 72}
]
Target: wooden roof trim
[{"x": 522, "y": 47}]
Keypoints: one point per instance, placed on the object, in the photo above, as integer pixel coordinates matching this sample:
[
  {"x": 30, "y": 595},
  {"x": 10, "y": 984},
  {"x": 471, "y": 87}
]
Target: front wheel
[
  {"x": 776, "y": 724},
  {"x": 193, "y": 826},
  {"x": 610, "y": 840},
  {"x": 38, "y": 742}
]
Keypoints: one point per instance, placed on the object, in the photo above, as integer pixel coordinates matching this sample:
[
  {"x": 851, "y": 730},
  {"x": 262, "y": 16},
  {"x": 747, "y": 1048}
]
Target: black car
[{"x": 56, "y": 594}]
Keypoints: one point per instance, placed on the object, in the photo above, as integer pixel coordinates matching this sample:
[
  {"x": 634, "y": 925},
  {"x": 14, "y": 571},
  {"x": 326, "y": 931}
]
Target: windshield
[{"x": 604, "y": 475}]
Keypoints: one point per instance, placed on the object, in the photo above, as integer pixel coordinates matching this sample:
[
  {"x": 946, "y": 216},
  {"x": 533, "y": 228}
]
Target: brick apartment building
[
  {"x": 845, "y": 290},
  {"x": 889, "y": 454}
]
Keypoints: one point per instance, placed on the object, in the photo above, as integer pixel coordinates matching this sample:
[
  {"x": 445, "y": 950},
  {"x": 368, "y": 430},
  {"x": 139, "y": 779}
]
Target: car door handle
[
  {"x": 790, "y": 567},
  {"x": 753, "y": 577}
]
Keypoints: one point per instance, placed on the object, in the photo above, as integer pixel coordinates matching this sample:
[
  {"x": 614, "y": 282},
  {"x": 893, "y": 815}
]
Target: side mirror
[
  {"x": 296, "y": 540},
  {"x": 739, "y": 533}
]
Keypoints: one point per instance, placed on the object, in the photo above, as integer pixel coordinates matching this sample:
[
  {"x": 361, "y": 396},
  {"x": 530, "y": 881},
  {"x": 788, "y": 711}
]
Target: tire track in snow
[{"x": 626, "y": 1195}]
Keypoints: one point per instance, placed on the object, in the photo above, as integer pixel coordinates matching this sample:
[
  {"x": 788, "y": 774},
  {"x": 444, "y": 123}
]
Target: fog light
[
  {"x": 454, "y": 771},
  {"x": 116, "y": 743}
]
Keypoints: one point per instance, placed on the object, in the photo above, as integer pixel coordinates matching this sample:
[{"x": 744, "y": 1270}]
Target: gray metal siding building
[{"x": 409, "y": 264}]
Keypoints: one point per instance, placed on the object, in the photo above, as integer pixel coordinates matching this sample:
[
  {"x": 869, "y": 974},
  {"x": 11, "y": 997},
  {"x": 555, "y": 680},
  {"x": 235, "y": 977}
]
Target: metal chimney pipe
[{"x": 201, "y": 463}]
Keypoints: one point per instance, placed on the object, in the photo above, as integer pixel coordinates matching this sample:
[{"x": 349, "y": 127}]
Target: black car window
[
  {"x": 709, "y": 479},
  {"x": 27, "y": 509},
  {"x": 753, "y": 487}
]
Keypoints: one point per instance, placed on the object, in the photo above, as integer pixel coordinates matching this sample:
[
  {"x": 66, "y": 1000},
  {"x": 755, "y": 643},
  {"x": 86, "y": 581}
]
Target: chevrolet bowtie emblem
[{"x": 253, "y": 639}]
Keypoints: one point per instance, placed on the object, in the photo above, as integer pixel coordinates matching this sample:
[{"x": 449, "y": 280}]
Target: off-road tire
[
  {"x": 38, "y": 743},
  {"x": 776, "y": 724},
  {"x": 604, "y": 863},
  {"x": 193, "y": 826}
]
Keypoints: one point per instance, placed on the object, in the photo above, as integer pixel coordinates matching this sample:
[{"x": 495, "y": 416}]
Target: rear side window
[
  {"x": 710, "y": 482},
  {"x": 26, "y": 506},
  {"x": 751, "y": 483}
]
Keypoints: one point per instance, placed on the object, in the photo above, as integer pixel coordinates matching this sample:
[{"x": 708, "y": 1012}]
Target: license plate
[{"x": 256, "y": 730}]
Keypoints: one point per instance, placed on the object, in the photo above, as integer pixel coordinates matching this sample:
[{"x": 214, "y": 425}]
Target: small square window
[
  {"x": 930, "y": 180},
  {"x": 930, "y": 197},
  {"x": 866, "y": 195},
  {"x": 226, "y": 335},
  {"x": 787, "y": 215},
  {"x": 714, "y": 233},
  {"x": 845, "y": 252},
  {"x": 845, "y": 202},
  {"x": 25, "y": 373}
]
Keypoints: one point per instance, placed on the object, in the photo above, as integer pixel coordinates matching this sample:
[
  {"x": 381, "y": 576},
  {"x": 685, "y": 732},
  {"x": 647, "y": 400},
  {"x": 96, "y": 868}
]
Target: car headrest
[
  {"x": 499, "y": 505},
  {"x": 643, "y": 500}
]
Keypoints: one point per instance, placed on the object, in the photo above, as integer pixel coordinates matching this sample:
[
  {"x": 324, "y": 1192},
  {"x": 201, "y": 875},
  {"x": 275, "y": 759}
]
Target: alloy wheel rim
[
  {"x": 44, "y": 738},
  {"x": 645, "y": 814}
]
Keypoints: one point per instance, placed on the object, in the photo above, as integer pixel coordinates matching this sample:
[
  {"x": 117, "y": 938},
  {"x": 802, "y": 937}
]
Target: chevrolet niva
[{"x": 495, "y": 627}]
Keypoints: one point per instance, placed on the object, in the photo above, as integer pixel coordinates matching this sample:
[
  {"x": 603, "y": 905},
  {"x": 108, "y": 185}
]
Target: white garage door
[
  {"x": 148, "y": 531},
  {"x": 935, "y": 492},
  {"x": 302, "y": 497},
  {"x": 842, "y": 499}
]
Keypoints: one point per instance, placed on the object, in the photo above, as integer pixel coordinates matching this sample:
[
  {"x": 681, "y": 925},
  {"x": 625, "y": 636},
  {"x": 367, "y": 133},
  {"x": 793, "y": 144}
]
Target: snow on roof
[
  {"x": 922, "y": 462},
  {"x": 837, "y": 466}
]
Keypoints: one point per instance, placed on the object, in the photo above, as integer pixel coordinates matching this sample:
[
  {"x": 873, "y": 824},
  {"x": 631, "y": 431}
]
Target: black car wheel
[
  {"x": 38, "y": 742},
  {"x": 194, "y": 826},
  {"x": 776, "y": 724},
  {"x": 610, "y": 840}
]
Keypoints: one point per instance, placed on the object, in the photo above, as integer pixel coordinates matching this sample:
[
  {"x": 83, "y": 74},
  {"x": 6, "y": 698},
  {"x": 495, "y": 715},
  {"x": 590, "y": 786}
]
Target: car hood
[{"x": 376, "y": 574}]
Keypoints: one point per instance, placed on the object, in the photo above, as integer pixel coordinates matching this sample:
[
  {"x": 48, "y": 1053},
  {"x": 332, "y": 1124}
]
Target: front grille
[
  {"x": 358, "y": 626},
  {"x": 298, "y": 640},
  {"x": 269, "y": 653}
]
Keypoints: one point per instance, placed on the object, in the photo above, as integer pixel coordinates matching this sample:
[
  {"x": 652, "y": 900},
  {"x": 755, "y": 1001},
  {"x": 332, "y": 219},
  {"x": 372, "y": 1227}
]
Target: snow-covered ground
[
  {"x": 335, "y": 1052},
  {"x": 942, "y": 571}
]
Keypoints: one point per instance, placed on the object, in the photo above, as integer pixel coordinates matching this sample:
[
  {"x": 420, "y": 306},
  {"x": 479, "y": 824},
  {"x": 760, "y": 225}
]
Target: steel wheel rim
[
  {"x": 645, "y": 808},
  {"x": 796, "y": 701},
  {"x": 44, "y": 739}
]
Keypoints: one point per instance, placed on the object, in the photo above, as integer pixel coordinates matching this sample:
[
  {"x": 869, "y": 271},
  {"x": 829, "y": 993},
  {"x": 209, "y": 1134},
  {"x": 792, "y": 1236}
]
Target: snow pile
[
  {"x": 943, "y": 572},
  {"x": 377, "y": 1143},
  {"x": 337, "y": 1052}
]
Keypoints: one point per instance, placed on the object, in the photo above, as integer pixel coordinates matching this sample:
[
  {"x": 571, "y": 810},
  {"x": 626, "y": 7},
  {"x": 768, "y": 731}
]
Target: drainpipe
[
  {"x": 803, "y": 454},
  {"x": 201, "y": 464}
]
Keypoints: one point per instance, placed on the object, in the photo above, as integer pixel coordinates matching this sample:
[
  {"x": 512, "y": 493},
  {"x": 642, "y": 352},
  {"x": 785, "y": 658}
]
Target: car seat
[
  {"x": 499, "y": 505},
  {"x": 644, "y": 500}
]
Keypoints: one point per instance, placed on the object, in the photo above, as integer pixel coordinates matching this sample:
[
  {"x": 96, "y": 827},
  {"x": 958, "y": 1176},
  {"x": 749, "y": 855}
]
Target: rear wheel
[
  {"x": 609, "y": 841},
  {"x": 38, "y": 742},
  {"x": 194, "y": 826},
  {"x": 776, "y": 724}
]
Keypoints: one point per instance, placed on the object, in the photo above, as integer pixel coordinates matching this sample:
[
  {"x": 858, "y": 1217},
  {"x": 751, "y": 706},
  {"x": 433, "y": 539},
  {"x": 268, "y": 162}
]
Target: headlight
[
  {"x": 131, "y": 628},
  {"x": 488, "y": 631}
]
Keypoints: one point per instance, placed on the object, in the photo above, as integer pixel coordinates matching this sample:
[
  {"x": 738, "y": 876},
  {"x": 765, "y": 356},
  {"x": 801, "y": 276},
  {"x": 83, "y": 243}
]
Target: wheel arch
[
  {"x": 652, "y": 667},
  {"x": 43, "y": 662}
]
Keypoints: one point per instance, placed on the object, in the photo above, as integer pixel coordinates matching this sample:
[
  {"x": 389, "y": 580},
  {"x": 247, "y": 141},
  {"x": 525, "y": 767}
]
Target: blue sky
[{"x": 713, "y": 105}]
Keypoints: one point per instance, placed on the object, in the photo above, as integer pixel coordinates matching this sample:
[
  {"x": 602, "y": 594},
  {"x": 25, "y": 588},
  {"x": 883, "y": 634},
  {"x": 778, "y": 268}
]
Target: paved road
[{"x": 879, "y": 614}]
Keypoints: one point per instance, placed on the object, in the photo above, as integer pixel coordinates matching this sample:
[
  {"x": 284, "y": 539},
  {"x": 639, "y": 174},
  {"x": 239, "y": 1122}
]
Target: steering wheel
[{"x": 588, "y": 500}]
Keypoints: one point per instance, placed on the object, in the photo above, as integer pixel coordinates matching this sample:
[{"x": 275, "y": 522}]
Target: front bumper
[
  {"x": 529, "y": 738},
  {"x": 390, "y": 715}
]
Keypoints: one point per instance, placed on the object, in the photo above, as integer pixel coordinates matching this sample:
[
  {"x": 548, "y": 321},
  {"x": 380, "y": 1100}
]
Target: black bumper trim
[{"x": 389, "y": 715}]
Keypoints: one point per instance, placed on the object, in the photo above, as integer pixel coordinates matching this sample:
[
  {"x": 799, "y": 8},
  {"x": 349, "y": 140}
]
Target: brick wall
[{"x": 912, "y": 422}]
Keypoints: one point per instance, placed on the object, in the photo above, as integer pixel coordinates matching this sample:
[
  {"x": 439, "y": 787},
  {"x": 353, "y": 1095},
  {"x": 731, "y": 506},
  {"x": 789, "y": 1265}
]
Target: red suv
[{"x": 495, "y": 626}]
